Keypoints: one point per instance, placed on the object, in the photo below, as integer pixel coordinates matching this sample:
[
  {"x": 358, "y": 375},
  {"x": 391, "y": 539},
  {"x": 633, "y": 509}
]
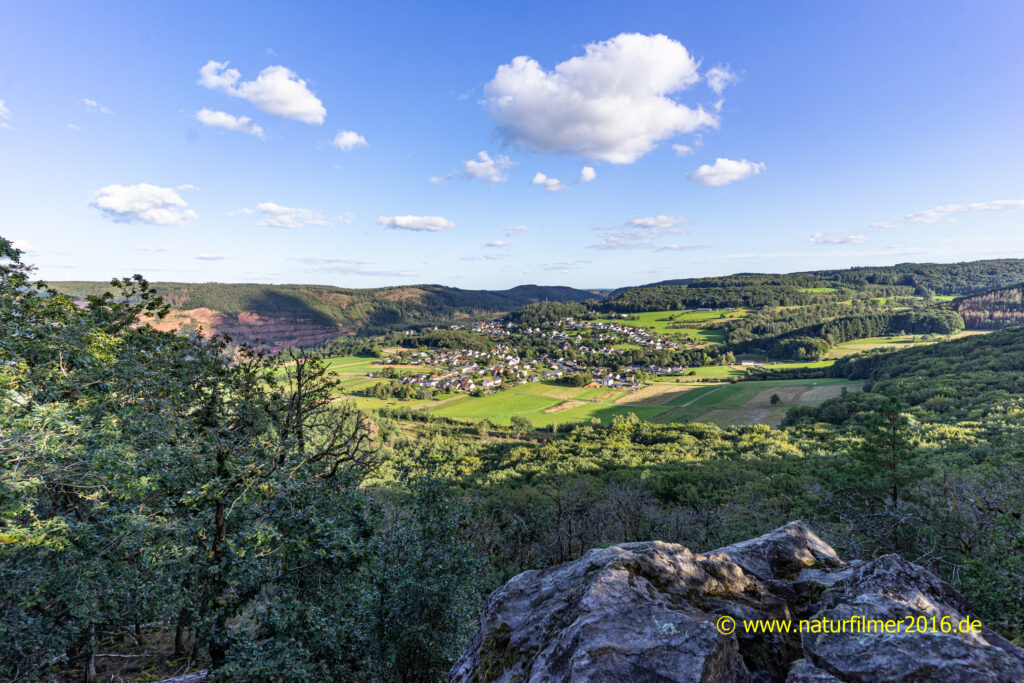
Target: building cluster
[{"x": 468, "y": 371}]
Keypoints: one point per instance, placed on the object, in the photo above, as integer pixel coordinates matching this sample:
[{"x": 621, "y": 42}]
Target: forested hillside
[
  {"x": 921, "y": 279},
  {"x": 963, "y": 379},
  {"x": 308, "y": 314}
]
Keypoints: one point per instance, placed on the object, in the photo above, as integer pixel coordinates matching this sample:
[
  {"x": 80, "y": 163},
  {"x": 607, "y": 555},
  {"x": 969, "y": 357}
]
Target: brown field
[
  {"x": 564, "y": 405},
  {"x": 560, "y": 392},
  {"x": 654, "y": 395},
  {"x": 758, "y": 409}
]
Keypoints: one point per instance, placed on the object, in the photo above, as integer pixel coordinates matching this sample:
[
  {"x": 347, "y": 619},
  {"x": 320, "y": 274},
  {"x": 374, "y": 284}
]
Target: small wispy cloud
[
  {"x": 515, "y": 230},
  {"x": 719, "y": 78},
  {"x": 93, "y": 105},
  {"x": 222, "y": 119},
  {"x": 684, "y": 247},
  {"x": 498, "y": 244},
  {"x": 658, "y": 221},
  {"x": 416, "y": 223},
  {"x": 486, "y": 257},
  {"x": 277, "y": 216},
  {"x": 211, "y": 257},
  {"x": 348, "y": 266},
  {"x": 639, "y": 233},
  {"x": 587, "y": 174},
  {"x": 564, "y": 266},
  {"x": 820, "y": 238},
  {"x": 321, "y": 261},
  {"x": 947, "y": 212}
]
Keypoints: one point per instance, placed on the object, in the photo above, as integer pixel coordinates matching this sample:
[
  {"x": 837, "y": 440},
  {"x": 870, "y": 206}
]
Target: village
[{"x": 467, "y": 371}]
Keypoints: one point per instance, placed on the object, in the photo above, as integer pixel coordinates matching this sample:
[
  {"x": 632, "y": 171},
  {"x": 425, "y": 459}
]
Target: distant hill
[
  {"x": 299, "y": 315},
  {"x": 753, "y": 289}
]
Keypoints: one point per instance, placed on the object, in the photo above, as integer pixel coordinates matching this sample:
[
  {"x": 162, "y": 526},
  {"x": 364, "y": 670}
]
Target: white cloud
[
  {"x": 947, "y": 211},
  {"x": 417, "y": 223},
  {"x": 211, "y": 257},
  {"x": 154, "y": 248},
  {"x": 5, "y": 114},
  {"x": 439, "y": 179},
  {"x": 656, "y": 222},
  {"x": 320, "y": 261},
  {"x": 93, "y": 105},
  {"x": 587, "y": 174},
  {"x": 686, "y": 247},
  {"x": 819, "y": 238},
  {"x": 498, "y": 244},
  {"x": 683, "y": 150},
  {"x": 24, "y": 246},
  {"x": 564, "y": 266},
  {"x": 725, "y": 171},
  {"x": 349, "y": 266},
  {"x": 142, "y": 203},
  {"x": 486, "y": 168},
  {"x": 277, "y": 90},
  {"x": 278, "y": 216},
  {"x": 348, "y": 139},
  {"x": 719, "y": 78},
  {"x": 73, "y": 127},
  {"x": 613, "y": 103},
  {"x": 550, "y": 184},
  {"x": 515, "y": 230},
  {"x": 220, "y": 119},
  {"x": 638, "y": 236}
]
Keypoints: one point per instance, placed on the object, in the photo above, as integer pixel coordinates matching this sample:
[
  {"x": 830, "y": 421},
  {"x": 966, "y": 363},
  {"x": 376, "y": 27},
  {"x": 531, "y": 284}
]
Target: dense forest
[
  {"x": 809, "y": 331},
  {"x": 993, "y": 310},
  {"x": 363, "y": 311},
  {"x": 169, "y": 504},
  {"x": 947, "y": 279}
]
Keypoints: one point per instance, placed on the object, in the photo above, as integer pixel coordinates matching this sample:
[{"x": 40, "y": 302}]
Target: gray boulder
[{"x": 648, "y": 612}]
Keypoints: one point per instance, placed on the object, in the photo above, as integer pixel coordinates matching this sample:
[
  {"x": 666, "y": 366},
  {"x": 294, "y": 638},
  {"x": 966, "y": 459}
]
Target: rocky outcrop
[{"x": 649, "y": 612}]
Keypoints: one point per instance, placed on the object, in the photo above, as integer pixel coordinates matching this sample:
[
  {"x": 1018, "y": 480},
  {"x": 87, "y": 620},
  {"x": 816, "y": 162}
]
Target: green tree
[
  {"x": 884, "y": 471},
  {"x": 521, "y": 424}
]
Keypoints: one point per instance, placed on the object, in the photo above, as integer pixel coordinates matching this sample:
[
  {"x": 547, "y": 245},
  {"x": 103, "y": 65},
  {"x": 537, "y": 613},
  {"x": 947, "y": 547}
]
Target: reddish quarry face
[{"x": 276, "y": 333}]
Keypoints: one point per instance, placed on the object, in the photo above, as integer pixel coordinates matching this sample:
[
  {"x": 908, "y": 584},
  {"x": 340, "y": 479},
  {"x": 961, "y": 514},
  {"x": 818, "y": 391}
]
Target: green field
[
  {"x": 870, "y": 343},
  {"x": 658, "y": 321},
  {"x": 738, "y": 371},
  {"x": 668, "y": 399},
  {"x": 545, "y": 404}
]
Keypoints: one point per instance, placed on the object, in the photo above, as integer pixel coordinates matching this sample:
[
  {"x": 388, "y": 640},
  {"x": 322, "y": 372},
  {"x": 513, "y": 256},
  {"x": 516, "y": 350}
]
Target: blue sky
[{"x": 297, "y": 142}]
